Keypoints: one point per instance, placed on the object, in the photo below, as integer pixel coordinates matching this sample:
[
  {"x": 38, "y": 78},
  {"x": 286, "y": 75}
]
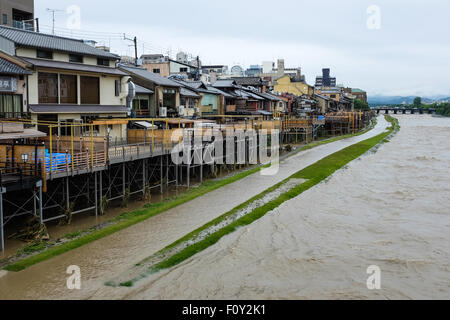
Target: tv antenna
[{"x": 53, "y": 14}]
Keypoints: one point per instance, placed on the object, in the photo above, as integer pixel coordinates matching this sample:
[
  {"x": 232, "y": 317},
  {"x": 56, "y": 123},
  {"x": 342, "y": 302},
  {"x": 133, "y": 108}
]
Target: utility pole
[
  {"x": 53, "y": 13},
  {"x": 198, "y": 68},
  {"x": 135, "y": 48}
]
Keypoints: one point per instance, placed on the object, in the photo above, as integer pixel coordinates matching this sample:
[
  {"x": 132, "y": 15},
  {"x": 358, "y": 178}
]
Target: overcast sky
[{"x": 409, "y": 54}]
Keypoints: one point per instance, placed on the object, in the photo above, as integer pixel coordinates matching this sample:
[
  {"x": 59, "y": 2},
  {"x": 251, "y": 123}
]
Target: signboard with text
[{"x": 8, "y": 84}]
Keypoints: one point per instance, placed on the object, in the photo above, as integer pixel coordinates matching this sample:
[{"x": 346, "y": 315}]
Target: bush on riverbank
[{"x": 443, "y": 109}]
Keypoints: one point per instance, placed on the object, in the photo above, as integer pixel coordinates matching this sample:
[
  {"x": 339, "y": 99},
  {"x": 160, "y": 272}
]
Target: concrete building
[
  {"x": 17, "y": 13},
  {"x": 325, "y": 80},
  {"x": 254, "y": 71},
  {"x": 211, "y": 73},
  {"x": 286, "y": 84},
  {"x": 272, "y": 73},
  {"x": 166, "y": 67},
  {"x": 357, "y": 93}
]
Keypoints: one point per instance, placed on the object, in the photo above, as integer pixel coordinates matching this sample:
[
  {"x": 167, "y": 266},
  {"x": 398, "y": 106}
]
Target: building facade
[
  {"x": 70, "y": 81},
  {"x": 286, "y": 84},
  {"x": 17, "y": 13}
]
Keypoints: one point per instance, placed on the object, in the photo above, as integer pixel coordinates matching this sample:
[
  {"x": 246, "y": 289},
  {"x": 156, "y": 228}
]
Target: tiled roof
[
  {"x": 248, "y": 81},
  {"x": 74, "y": 66},
  {"x": 150, "y": 76},
  {"x": 140, "y": 89},
  {"x": 217, "y": 91},
  {"x": 188, "y": 93},
  {"x": 7, "y": 67},
  {"x": 267, "y": 96},
  {"x": 51, "y": 42},
  {"x": 224, "y": 83},
  {"x": 71, "y": 108}
]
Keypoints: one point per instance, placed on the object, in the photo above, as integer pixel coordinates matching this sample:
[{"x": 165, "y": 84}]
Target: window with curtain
[
  {"x": 90, "y": 90},
  {"x": 48, "y": 87},
  {"x": 68, "y": 88},
  {"x": 10, "y": 105}
]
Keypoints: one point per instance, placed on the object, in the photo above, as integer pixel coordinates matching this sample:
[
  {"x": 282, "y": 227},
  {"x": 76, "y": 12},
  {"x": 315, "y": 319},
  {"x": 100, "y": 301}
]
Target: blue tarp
[{"x": 58, "y": 160}]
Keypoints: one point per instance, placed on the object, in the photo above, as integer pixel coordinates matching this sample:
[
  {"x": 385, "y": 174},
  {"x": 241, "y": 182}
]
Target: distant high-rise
[{"x": 325, "y": 80}]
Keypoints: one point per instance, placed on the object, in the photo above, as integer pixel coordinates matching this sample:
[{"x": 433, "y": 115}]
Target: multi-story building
[
  {"x": 70, "y": 81},
  {"x": 292, "y": 86},
  {"x": 272, "y": 73},
  {"x": 165, "y": 67},
  {"x": 358, "y": 93},
  {"x": 13, "y": 93},
  {"x": 254, "y": 71},
  {"x": 17, "y": 13},
  {"x": 325, "y": 80}
]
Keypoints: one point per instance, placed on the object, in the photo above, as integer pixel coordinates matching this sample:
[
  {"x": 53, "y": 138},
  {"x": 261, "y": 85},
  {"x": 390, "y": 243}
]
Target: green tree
[
  {"x": 444, "y": 109},
  {"x": 361, "y": 105},
  {"x": 417, "y": 102}
]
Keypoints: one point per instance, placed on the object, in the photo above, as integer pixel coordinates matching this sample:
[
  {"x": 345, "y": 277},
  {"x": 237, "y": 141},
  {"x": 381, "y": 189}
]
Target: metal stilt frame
[{"x": 2, "y": 231}]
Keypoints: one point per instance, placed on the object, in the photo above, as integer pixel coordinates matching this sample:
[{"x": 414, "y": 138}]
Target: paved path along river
[{"x": 103, "y": 259}]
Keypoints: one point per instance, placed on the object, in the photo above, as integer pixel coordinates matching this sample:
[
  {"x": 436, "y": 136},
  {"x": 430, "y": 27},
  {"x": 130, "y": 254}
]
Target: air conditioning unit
[{"x": 163, "y": 112}]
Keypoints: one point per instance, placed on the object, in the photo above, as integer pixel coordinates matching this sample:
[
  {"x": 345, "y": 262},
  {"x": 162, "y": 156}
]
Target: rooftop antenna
[{"x": 53, "y": 13}]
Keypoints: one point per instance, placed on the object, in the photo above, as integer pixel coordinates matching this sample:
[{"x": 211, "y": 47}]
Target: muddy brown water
[
  {"x": 229, "y": 269},
  {"x": 390, "y": 209}
]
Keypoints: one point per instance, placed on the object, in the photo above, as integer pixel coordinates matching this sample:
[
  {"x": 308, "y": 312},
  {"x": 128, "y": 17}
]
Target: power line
[{"x": 110, "y": 38}]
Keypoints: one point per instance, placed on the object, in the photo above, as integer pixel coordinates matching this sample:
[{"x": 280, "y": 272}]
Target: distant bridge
[{"x": 387, "y": 110}]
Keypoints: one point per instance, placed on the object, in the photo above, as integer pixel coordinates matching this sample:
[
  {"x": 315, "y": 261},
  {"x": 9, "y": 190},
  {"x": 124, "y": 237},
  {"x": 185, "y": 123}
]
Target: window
[
  {"x": 10, "y": 105},
  {"x": 5, "y": 18},
  {"x": 90, "y": 119},
  {"x": 103, "y": 62},
  {"x": 117, "y": 87},
  {"x": 68, "y": 88},
  {"x": 156, "y": 71},
  {"x": 183, "y": 69},
  {"x": 48, "y": 87},
  {"x": 44, "y": 54},
  {"x": 333, "y": 96},
  {"x": 75, "y": 58},
  {"x": 90, "y": 90}
]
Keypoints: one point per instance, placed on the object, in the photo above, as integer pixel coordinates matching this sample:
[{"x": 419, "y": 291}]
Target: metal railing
[{"x": 17, "y": 173}]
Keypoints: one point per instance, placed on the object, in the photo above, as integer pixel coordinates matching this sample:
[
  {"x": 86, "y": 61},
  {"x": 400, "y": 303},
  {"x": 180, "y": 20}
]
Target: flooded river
[{"x": 390, "y": 209}]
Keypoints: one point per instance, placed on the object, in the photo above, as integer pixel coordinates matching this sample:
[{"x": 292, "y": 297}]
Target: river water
[{"x": 390, "y": 209}]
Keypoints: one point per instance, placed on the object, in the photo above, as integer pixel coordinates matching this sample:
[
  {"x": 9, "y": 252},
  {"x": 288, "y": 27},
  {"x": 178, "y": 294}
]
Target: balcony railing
[{"x": 24, "y": 25}]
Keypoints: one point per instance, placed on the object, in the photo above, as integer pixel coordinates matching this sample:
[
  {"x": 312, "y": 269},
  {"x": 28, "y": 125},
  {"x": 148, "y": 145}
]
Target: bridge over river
[{"x": 394, "y": 110}]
